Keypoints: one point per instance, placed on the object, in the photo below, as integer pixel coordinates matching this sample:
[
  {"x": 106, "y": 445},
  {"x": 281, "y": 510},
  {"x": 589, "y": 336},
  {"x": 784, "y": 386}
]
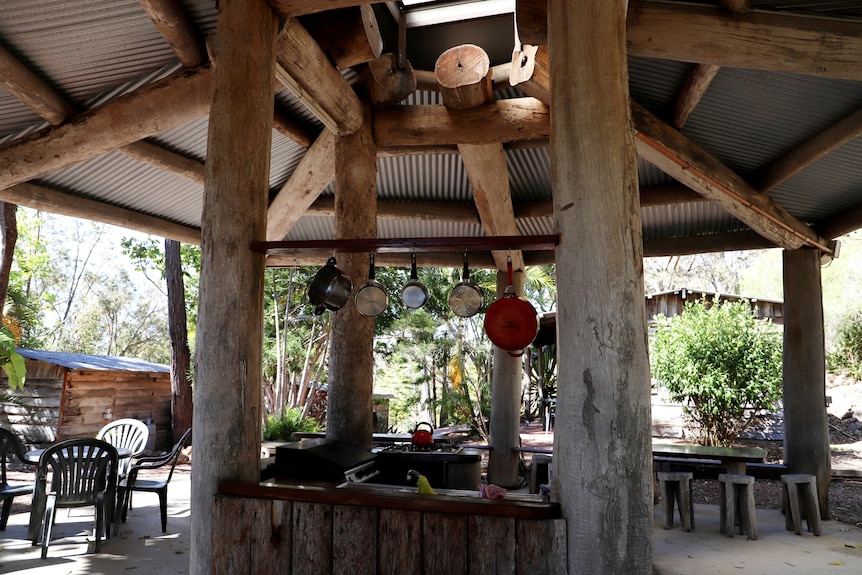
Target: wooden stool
[
  {"x": 676, "y": 485},
  {"x": 796, "y": 489},
  {"x": 540, "y": 471},
  {"x": 737, "y": 504}
]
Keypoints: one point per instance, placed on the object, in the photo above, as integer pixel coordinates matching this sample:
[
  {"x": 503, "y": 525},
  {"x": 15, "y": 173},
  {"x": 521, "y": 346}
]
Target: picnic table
[{"x": 734, "y": 459}]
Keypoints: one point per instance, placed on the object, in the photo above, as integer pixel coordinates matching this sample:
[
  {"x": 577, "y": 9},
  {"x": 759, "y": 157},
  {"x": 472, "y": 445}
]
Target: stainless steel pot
[
  {"x": 371, "y": 298},
  {"x": 330, "y": 288},
  {"x": 466, "y": 298},
  {"x": 415, "y": 294}
]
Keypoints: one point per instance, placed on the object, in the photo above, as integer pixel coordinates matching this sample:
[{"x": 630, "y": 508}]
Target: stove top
[{"x": 448, "y": 448}]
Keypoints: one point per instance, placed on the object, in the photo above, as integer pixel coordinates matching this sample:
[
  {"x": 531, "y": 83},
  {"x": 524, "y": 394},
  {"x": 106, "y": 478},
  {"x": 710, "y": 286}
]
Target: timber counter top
[{"x": 459, "y": 502}]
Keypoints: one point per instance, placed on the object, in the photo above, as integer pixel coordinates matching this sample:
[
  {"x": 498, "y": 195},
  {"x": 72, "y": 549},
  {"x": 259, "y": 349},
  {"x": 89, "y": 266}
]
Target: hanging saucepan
[
  {"x": 371, "y": 298},
  {"x": 466, "y": 298},
  {"x": 422, "y": 437},
  {"x": 415, "y": 294},
  {"x": 511, "y": 322},
  {"x": 330, "y": 288}
]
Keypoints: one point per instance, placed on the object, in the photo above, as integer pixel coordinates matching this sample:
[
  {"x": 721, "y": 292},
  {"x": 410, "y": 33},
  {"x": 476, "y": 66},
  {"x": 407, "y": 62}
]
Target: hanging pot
[
  {"x": 422, "y": 437},
  {"x": 511, "y": 322},
  {"x": 371, "y": 298},
  {"x": 466, "y": 298},
  {"x": 415, "y": 294},
  {"x": 330, "y": 288}
]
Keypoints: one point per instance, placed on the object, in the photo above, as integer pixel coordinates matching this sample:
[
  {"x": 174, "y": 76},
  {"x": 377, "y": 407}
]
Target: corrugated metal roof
[
  {"x": 94, "y": 362},
  {"x": 94, "y": 50}
]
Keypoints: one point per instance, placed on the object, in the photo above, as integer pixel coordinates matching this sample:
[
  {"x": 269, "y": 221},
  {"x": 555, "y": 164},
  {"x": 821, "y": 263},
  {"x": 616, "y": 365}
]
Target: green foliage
[
  {"x": 280, "y": 428},
  {"x": 148, "y": 255},
  {"x": 11, "y": 361},
  {"x": 721, "y": 363},
  {"x": 847, "y": 355}
]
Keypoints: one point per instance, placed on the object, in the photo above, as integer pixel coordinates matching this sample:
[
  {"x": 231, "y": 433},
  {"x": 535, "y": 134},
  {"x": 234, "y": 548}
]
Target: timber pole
[
  {"x": 806, "y": 425},
  {"x": 602, "y": 445},
  {"x": 228, "y": 359},
  {"x": 349, "y": 405},
  {"x": 504, "y": 432}
]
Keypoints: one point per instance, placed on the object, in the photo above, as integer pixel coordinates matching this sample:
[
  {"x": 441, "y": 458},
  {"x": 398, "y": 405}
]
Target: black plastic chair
[
  {"x": 9, "y": 445},
  {"x": 134, "y": 483},
  {"x": 83, "y": 473}
]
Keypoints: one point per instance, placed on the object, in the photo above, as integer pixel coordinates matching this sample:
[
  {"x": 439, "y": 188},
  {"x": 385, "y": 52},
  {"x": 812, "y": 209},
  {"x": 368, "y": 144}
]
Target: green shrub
[
  {"x": 281, "y": 428},
  {"x": 723, "y": 365},
  {"x": 847, "y": 355}
]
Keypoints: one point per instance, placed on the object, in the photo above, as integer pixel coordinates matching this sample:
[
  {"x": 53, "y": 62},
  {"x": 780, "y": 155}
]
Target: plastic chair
[
  {"x": 10, "y": 444},
  {"x": 129, "y": 433},
  {"x": 134, "y": 483},
  {"x": 83, "y": 473}
]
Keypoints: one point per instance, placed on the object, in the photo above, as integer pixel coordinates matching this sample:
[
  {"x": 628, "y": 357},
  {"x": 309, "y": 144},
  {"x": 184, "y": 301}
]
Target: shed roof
[{"x": 94, "y": 362}]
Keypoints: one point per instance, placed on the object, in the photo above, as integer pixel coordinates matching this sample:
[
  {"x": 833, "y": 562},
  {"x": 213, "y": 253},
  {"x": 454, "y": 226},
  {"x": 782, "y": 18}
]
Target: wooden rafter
[
  {"x": 304, "y": 68},
  {"x": 777, "y": 42},
  {"x": 118, "y": 123},
  {"x": 696, "y": 83},
  {"x": 682, "y": 159},
  {"x": 800, "y": 158},
  {"x": 22, "y": 83},
  {"x": 174, "y": 25},
  {"x": 314, "y": 172},
  {"x": 40, "y": 198}
]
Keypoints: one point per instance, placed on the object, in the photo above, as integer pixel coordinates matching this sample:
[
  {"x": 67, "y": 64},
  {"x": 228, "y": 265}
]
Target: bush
[
  {"x": 281, "y": 428},
  {"x": 723, "y": 365},
  {"x": 847, "y": 356}
]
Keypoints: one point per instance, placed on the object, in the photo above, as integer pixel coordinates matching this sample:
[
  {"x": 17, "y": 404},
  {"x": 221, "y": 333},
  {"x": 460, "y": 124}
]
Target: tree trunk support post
[
  {"x": 806, "y": 425},
  {"x": 602, "y": 440},
  {"x": 505, "y": 403},
  {"x": 227, "y": 411},
  {"x": 349, "y": 405}
]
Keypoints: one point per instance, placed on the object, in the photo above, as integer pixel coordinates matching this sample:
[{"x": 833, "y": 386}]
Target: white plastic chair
[{"x": 131, "y": 434}]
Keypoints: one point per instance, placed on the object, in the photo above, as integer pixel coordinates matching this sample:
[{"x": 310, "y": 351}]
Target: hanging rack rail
[{"x": 417, "y": 245}]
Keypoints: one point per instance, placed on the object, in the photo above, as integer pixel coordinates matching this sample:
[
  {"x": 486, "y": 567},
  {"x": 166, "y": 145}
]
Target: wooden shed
[
  {"x": 670, "y": 303},
  {"x": 73, "y": 395}
]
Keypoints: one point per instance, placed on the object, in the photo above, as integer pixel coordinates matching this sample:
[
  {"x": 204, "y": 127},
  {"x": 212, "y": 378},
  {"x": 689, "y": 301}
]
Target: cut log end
[{"x": 463, "y": 74}]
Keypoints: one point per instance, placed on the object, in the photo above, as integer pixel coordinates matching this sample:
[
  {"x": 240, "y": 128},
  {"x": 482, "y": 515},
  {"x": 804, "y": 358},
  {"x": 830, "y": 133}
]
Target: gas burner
[{"x": 410, "y": 448}]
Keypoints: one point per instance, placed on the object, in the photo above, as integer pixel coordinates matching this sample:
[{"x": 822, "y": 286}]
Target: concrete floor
[{"x": 142, "y": 549}]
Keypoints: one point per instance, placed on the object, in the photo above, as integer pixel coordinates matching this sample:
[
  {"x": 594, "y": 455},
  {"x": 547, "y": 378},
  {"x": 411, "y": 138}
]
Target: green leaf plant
[{"x": 721, "y": 363}]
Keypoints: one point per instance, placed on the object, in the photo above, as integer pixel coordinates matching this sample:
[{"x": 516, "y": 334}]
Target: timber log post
[
  {"x": 228, "y": 357},
  {"x": 602, "y": 437},
  {"x": 806, "y": 424}
]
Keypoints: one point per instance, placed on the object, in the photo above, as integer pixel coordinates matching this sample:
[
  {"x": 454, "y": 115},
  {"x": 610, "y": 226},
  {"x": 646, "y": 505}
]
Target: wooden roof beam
[
  {"x": 777, "y": 42},
  {"x": 510, "y": 120},
  {"x": 701, "y": 75},
  {"x": 797, "y": 160},
  {"x": 314, "y": 172},
  {"x": 177, "y": 30},
  {"x": 29, "y": 88},
  {"x": 679, "y": 157},
  {"x": 41, "y": 198},
  {"x": 123, "y": 121},
  {"x": 303, "y": 67}
]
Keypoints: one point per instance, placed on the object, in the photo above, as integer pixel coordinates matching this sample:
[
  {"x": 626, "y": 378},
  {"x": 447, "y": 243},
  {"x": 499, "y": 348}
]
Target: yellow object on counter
[{"x": 423, "y": 487}]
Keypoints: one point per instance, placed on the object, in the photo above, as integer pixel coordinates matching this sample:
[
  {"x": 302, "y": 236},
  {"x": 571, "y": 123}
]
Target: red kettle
[{"x": 422, "y": 437}]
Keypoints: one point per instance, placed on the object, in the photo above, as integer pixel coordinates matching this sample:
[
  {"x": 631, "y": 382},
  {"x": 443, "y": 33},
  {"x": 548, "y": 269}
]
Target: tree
[
  {"x": 9, "y": 237},
  {"x": 175, "y": 264},
  {"x": 723, "y": 365},
  {"x": 181, "y": 386}
]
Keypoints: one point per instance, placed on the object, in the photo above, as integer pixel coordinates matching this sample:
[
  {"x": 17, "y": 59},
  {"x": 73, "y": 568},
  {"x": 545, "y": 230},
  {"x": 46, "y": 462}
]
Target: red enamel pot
[{"x": 511, "y": 322}]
